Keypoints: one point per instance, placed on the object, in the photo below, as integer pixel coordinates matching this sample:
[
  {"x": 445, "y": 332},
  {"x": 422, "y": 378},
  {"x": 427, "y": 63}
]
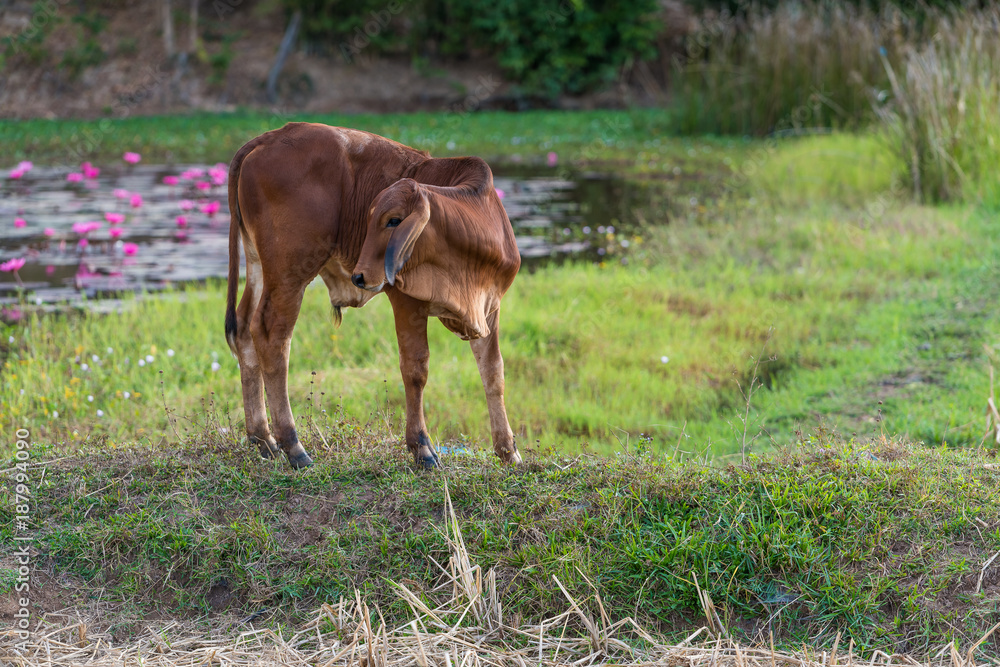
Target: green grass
[
  {"x": 808, "y": 257},
  {"x": 210, "y": 138},
  {"x": 879, "y": 540},
  {"x": 868, "y": 314}
]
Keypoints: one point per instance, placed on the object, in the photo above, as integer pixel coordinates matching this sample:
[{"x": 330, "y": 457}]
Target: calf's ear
[{"x": 404, "y": 237}]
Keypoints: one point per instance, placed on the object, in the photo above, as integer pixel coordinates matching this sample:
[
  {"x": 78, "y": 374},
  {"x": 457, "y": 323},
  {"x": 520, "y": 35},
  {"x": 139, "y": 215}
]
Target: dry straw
[{"x": 467, "y": 630}]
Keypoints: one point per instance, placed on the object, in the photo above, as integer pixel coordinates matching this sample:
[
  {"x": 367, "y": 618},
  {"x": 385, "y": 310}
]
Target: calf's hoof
[
  {"x": 512, "y": 457},
  {"x": 298, "y": 458},
  {"x": 425, "y": 457},
  {"x": 268, "y": 448}
]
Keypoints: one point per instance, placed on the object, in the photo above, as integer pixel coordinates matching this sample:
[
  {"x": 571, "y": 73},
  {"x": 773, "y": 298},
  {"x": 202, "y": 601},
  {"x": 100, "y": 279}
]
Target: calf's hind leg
[
  {"x": 251, "y": 378},
  {"x": 271, "y": 329},
  {"x": 490, "y": 362}
]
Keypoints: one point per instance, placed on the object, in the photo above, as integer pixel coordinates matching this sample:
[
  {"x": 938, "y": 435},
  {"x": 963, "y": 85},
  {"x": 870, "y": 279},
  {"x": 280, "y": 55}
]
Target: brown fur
[{"x": 300, "y": 199}]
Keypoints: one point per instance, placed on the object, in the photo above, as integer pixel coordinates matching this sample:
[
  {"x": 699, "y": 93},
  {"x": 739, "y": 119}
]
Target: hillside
[{"x": 111, "y": 61}]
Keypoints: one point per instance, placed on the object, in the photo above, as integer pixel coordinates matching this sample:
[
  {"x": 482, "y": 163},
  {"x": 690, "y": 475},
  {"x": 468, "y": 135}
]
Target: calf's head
[{"x": 397, "y": 217}]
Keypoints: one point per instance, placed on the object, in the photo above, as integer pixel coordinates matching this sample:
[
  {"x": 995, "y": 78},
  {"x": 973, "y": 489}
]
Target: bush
[{"x": 548, "y": 47}]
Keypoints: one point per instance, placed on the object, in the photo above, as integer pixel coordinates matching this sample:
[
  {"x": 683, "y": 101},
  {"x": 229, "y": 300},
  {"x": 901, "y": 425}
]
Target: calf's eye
[{"x": 393, "y": 222}]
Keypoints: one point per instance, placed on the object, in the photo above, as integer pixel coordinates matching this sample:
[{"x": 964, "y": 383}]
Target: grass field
[
  {"x": 795, "y": 269},
  {"x": 876, "y": 540},
  {"x": 810, "y": 264}
]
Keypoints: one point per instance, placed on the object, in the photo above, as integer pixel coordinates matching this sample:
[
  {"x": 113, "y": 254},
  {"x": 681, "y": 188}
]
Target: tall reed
[
  {"x": 943, "y": 117},
  {"x": 801, "y": 64}
]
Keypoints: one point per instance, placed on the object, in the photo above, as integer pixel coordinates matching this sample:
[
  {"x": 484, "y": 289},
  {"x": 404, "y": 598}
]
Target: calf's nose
[{"x": 359, "y": 280}]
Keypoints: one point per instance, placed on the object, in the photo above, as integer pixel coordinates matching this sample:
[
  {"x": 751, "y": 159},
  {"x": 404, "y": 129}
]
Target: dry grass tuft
[{"x": 467, "y": 629}]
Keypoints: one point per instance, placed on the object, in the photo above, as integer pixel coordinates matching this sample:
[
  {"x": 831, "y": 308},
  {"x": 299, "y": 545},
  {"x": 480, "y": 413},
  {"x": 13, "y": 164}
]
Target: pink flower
[
  {"x": 120, "y": 193},
  {"x": 115, "y": 218},
  {"x": 182, "y": 221},
  {"x": 83, "y": 243},
  {"x": 74, "y": 177},
  {"x": 218, "y": 174},
  {"x": 552, "y": 158},
  {"x": 132, "y": 158},
  {"x": 91, "y": 172},
  {"x": 115, "y": 232},
  {"x": 203, "y": 185},
  {"x": 210, "y": 209},
  {"x": 86, "y": 227},
  {"x": 25, "y": 166},
  {"x": 50, "y": 269},
  {"x": 186, "y": 204},
  {"x": 193, "y": 173},
  {"x": 135, "y": 201},
  {"x": 19, "y": 222},
  {"x": 49, "y": 232},
  {"x": 130, "y": 249},
  {"x": 15, "y": 174},
  {"x": 500, "y": 193},
  {"x": 170, "y": 180},
  {"x": 12, "y": 265}
]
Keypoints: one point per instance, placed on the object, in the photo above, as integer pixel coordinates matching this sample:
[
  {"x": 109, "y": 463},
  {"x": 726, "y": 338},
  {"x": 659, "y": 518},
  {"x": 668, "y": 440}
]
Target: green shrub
[{"x": 548, "y": 47}]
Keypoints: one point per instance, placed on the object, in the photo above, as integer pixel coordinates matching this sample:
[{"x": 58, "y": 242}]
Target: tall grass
[
  {"x": 943, "y": 118},
  {"x": 802, "y": 64}
]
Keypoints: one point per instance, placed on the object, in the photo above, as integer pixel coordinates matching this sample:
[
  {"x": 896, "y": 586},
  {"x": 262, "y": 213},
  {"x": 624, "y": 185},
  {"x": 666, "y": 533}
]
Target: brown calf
[{"x": 301, "y": 201}]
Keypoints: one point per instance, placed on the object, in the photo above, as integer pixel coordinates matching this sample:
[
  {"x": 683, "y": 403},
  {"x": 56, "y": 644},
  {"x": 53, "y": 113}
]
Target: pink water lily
[
  {"x": 170, "y": 180},
  {"x": 48, "y": 231},
  {"x": 115, "y": 232},
  {"x": 182, "y": 221},
  {"x": 210, "y": 209},
  {"x": 120, "y": 193},
  {"x": 115, "y": 218},
  {"x": 500, "y": 193},
  {"x": 219, "y": 173},
  {"x": 130, "y": 249},
  {"x": 86, "y": 227},
  {"x": 15, "y": 174},
  {"x": 89, "y": 170},
  {"x": 19, "y": 223},
  {"x": 83, "y": 243},
  {"x": 25, "y": 166},
  {"x": 552, "y": 159},
  {"x": 74, "y": 177},
  {"x": 203, "y": 185},
  {"x": 12, "y": 265},
  {"x": 132, "y": 158},
  {"x": 186, "y": 204},
  {"x": 193, "y": 173},
  {"x": 135, "y": 201}
]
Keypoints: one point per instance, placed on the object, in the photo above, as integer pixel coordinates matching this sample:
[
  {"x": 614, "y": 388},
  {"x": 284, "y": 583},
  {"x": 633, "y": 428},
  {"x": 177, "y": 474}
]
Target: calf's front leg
[
  {"x": 490, "y": 362},
  {"x": 414, "y": 356}
]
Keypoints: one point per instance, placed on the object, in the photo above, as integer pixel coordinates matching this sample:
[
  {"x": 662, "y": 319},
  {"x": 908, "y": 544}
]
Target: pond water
[{"x": 44, "y": 219}]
